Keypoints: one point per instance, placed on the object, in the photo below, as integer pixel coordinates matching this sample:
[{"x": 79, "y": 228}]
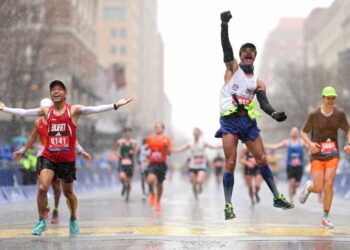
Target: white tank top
[
  {"x": 198, "y": 159},
  {"x": 240, "y": 85}
]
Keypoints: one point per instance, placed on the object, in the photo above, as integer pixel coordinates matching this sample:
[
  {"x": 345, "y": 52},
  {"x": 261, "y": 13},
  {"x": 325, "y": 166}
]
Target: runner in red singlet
[{"x": 59, "y": 153}]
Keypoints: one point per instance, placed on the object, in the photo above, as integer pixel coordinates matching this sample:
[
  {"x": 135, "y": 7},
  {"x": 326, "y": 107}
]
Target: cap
[
  {"x": 46, "y": 102},
  {"x": 59, "y": 83},
  {"x": 329, "y": 91}
]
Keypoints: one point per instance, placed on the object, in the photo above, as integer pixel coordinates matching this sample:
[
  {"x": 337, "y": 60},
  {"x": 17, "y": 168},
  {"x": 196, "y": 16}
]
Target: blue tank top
[{"x": 295, "y": 152}]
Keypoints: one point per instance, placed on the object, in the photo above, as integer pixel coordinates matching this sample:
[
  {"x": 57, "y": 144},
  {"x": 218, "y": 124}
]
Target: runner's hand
[
  {"x": 17, "y": 155},
  {"x": 279, "y": 116},
  {"x": 347, "y": 149},
  {"x": 2, "y": 106},
  {"x": 122, "y": 102},
  {"x": 314, "y": 148},
  {"x": 226, "y": 16},
  {"x": 86, "y": 155}
]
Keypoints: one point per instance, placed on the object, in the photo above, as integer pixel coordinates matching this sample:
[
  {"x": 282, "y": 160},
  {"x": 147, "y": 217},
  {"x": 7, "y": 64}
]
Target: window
[
  {"x": 113, "y": 33},
  {"x": 114, "y": 14},
  {"x": 113, "y": 50},
  {"x": 123, "y": 50},
  {"x": 122, "y": 33}
]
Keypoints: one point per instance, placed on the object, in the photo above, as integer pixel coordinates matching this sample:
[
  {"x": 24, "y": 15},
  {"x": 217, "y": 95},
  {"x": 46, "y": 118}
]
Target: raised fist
[
  {"x": 226, "y": 16},
  {"x": 279, "y": 116}
]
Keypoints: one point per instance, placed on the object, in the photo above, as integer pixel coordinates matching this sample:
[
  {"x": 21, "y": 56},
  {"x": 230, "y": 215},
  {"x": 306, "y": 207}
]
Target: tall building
[
  {"x": 45, "y": 40},
  {"x": 327, "y": 33},
  {"x": 131, "y": 49}
]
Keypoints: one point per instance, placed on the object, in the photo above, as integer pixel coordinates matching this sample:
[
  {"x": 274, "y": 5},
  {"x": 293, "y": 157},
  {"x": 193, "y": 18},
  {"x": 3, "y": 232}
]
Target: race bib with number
[
  {"x": 59, "y": 142},
  {"x": 156, "y": 156},
  {"x": 328, "y": 147},
  {"x": 198, "y": 159},
  {"x": 242, "y": 100},
  {"x": 126, "y": 161}
]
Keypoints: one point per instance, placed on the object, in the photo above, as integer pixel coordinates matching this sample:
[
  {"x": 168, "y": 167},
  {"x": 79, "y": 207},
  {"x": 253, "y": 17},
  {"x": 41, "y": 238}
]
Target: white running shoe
[
  {"x": 325, "y": 223},
  {"x": 305, "y": 193}
]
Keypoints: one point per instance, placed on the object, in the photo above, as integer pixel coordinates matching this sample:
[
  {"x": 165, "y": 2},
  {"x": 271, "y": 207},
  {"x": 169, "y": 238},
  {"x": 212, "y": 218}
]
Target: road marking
[{"x": 184, "y": 231}]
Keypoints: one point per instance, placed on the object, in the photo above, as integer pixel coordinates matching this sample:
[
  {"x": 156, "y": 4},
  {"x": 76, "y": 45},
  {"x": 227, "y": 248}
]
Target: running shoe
[
  {"x": 152, "y": 200},
  {"x": 325, "y": 223},
  {"x": 281, "y": 202},
  {"x": 73, "y": 228},
  {"x": 305, "y": 193},
  {"x": 229, "y": 214},
  {"x": 47, "y": 213},
  {"x": 55, "y": 219},
  {"x": 158, "y": 207},
  {"x": 39, "y": 227}
]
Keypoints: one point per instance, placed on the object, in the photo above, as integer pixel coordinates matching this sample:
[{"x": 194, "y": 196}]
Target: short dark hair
[
  {"x": 127, "y": 129},
  {"x": 59, "y": 83}
]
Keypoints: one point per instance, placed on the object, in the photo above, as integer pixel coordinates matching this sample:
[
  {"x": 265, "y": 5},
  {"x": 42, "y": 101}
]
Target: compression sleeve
[
  {"x": 225, "y": 43},
  {"x": 85, "y": 110},
  {"x": 264, "y": 103},
  {"x": 22, "y": 112}
]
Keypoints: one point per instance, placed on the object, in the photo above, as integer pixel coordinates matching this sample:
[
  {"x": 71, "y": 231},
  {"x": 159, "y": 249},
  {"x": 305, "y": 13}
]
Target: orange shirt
[{"x": 158, "y": 146}]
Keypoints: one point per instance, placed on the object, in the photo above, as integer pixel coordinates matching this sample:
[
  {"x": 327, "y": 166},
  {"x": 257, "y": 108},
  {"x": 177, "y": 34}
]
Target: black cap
[
  {"x": 247, "y": 45},
  {"x": 59, "y": 83}
]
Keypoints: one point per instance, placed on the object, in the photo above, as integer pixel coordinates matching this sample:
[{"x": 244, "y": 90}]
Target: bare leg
[
  {"x": 45, "y": 179},
  {"x": 72, "y": 200}
]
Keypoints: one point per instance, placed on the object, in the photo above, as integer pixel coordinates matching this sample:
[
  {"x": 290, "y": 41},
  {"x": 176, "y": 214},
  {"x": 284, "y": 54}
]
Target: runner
[
  {"x": 59, "y": 156},
  {"x": 40, "y": 129},
  {"x": 126, "y": 149},
  {"x": 143, "y": 163},
  {"x": 295, "y": 160},
  {"x": 218, "y": 166},
  {"x": 159, "y": 146},
  {"x": 198, "y": 163},
  {"x": 251, "y": 173},
  {"x": 323, "y": 124},
  {"x": 238, "y": 115}
]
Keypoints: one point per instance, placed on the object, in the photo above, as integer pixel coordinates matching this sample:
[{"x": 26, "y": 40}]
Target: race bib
[
  {"x": 296, "y": 162},
  {"x": 59, "y": 143},
  {"x": 198, "y": 159},
  {"x": 328, "y": 147},
  {"x": 242, "y": 100},
  {"x": 156, "y": 156},
  {"x": 126, "y": 161}
]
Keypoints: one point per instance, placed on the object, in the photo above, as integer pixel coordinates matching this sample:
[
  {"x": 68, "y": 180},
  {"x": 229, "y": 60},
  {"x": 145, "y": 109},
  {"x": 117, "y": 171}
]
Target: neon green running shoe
[
  {"x": 39, "y": 227},
  {"x": 73, "y": 228},
  {"x": 281, "y": 202},
  {"x": 229, "y": 214}
]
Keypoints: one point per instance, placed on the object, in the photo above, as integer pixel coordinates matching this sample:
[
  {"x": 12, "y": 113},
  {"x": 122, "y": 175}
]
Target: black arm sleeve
[
  {"x": 264, "y": 103},
  {"x": 225, "y": 43}
]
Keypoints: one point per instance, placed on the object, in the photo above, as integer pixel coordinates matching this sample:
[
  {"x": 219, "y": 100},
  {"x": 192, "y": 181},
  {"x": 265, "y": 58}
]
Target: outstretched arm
[
  {"x": 181, "y": 148},
  {"x": 281, "y": 144},
  {"x": 211, "y": 146},
  {"x": 265, "y": 104},
  {"x": 86, "y": 110},
  {"x": 229, "y": 60},
  {"x": 22, "y": 112}
]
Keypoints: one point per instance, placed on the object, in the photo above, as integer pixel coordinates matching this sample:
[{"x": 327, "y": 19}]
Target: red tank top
[
  {"x": 42, "y": 129},
  {"x": 60, "y": 143}
]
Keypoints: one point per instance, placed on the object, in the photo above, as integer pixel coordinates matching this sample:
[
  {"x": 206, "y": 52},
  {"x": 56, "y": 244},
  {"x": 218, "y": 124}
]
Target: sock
[
  {"x": 267, "y": 175},
  {"x": 325, "y": 213},
  {"x": 55, "y": 209},
  {"x": 228, "y": 181}
]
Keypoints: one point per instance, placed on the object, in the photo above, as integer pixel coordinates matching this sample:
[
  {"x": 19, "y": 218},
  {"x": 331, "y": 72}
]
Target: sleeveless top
[
  {"x": 242, "y": 86},
  {"x": 126, "y": 158},
  {"x": 198, "y": 159},
  {"x": 60, "y": 143},
  {"x": 295, "y": 154}
]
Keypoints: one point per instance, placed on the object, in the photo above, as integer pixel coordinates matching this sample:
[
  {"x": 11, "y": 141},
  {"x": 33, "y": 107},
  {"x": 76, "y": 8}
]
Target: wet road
[{"x": 108, "y": 222}]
